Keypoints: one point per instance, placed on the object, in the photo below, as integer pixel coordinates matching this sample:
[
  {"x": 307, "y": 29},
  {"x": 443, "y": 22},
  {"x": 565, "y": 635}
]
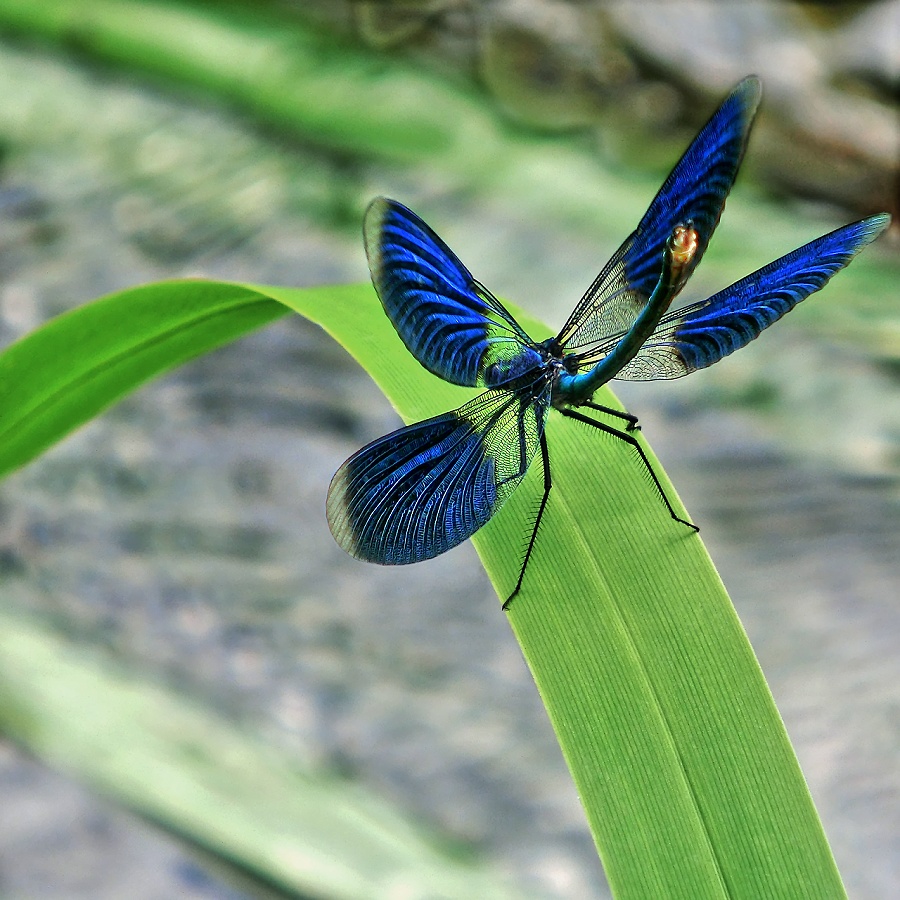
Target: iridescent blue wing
[
  {"x": 423, "y": 489},
  {"x": 700, "y": 334},
  {"x": 696, "y": 189},
  {"x": 448, "y": 321},
  {"x": 694, "y": 194}
]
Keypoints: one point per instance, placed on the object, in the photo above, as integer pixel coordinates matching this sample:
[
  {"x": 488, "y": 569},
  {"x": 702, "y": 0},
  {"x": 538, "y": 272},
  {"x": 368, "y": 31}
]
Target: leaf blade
[
  {"x": 702, "y": 769},
  {"x": 75, "y": 366},
  {"x": 689, "y": 782}
]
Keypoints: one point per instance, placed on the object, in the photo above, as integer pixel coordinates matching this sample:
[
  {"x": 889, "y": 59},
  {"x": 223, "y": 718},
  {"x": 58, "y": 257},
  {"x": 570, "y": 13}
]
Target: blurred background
[{"x": 183, "y": 648}]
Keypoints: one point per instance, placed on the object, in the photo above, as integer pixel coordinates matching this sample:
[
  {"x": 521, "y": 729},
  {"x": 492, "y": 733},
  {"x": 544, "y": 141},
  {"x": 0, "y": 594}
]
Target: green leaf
[
  {"x": 306, "y": 833},
  {"x": 63, "y": 374},
  {"x": 272, "y": 66},
  {"x": 688, "y": 779}
]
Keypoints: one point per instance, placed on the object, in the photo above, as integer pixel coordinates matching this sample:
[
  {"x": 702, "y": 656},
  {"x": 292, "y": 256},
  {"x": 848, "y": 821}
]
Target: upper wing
[
  {"x": 449, "y": 322},
  {"x": 423, "y": 489},
  {"x": 693, "y": 195},
  {"x": 700, "y": 334}
]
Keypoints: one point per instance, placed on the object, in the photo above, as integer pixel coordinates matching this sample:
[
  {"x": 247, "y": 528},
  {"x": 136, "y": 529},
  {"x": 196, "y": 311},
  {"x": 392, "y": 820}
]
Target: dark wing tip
[
  {"x": 742, "y": 104},
  {"x": 337, "y": 513},
  {"x": 373, "y": 220},
  {"x": 749, "y": 89},
  {"x": 376, "y": 211},
  {"x": 871, "y": 227},
  {"x": 747, "y": 95},
  {"x": 858, "y": 235}
]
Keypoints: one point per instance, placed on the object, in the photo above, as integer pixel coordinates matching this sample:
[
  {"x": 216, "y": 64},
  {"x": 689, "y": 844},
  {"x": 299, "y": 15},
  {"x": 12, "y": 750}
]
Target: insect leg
[
  {"x": 628, "y": 417},
  {"x": 632, "y": 441},
  {"x": 545, "y": 459}
]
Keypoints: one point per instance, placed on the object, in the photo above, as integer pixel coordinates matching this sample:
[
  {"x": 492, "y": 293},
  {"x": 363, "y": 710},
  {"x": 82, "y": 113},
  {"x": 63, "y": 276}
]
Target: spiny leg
[
  {"x": 628, "y": 417},
  {"x": 630, "y": 439},
  {"x": 545, "y": 459}
]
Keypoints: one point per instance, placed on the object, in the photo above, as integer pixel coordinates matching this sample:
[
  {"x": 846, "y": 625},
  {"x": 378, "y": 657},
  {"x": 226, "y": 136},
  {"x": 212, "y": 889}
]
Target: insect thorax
[{"x": 523, "y": 367}]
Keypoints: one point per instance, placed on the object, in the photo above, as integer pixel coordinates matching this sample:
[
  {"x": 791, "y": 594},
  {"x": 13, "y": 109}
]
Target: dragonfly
[{"x": 425, "y": 488}]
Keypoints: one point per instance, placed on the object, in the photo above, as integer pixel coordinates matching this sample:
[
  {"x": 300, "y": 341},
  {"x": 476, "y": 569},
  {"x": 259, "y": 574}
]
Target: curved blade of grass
[
  {"x": 63, "y": 374},
  {"x": 683, "y": 765},
  {"x": 254, "y": 806},
  {"x": 689, "y": 782},
  {"x": 272, "y": 66}
]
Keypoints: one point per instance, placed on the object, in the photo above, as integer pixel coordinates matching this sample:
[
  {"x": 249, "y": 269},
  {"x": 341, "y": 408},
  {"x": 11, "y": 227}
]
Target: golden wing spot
[{"x": 684, "y": 243}]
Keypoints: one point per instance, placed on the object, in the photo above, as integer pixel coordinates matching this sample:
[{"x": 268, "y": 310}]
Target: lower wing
[{"x": 423, "y": 489}]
